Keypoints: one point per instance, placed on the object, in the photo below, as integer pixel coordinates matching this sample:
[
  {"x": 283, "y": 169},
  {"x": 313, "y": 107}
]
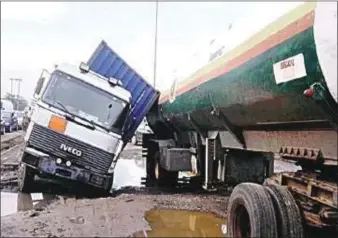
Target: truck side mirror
[{"x": 39, "y": 85}]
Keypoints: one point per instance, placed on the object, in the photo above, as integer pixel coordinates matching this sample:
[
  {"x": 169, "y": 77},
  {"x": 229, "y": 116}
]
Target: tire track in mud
[
  {"x": 8, "y": 141},
  {"x": 11, "y": 149}
]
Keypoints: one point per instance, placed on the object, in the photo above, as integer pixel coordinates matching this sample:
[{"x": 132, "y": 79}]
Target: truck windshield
[{"x": 85, "y": 101}]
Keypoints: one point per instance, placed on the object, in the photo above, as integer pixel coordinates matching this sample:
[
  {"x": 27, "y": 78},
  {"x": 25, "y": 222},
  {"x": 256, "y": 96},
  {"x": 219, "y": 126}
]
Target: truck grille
[{"x": 49, "y": 141}]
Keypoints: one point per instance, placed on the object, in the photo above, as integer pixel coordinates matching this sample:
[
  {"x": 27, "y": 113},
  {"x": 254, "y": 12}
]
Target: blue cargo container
[{"x": 106, "y": 62}]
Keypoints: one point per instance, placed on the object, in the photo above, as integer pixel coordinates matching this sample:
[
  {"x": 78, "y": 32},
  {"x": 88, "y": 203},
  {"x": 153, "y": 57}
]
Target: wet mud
[
  {"x": 10, "y": 140},
  {"x": 121, "y": 216},
  {"x": 69, "y": 213}
]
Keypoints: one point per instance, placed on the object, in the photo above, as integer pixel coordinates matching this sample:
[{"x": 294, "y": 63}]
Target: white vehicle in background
[{"x": 6, "y": 105}]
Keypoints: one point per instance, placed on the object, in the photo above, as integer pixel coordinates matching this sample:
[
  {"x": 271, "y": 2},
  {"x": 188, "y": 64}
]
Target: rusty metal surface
[
  {"x": 302, "y": 153},
  {"x": 317, "y": 198},
  {"x": 325, "y": 140}
]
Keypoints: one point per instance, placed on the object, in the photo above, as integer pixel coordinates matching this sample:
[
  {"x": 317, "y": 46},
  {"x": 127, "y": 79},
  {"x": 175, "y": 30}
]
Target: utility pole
[
  {"x": 18, "y": 92},
  {"x": 11, "y": 86},
  {"x": 13, "y": 81},
  {"x": 155, "y": 50},
  {"x": 18, "y": 81}
]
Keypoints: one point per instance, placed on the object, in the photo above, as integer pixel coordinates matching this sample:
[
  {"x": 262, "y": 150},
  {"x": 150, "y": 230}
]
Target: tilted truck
[
  {"x": 274, "y": 94},
  {"x": 82, "y": 120}
]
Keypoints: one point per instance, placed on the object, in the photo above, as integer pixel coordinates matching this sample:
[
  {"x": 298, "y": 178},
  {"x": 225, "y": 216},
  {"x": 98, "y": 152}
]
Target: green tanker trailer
[{"x": 273, "y": 95}]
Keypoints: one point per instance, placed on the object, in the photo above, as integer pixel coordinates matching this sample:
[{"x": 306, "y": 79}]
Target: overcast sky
[{"x": 38, "y": 35}]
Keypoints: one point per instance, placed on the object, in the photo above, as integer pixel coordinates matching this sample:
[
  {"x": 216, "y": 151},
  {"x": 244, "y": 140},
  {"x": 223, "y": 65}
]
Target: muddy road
[{"x": 132, "y": 210}]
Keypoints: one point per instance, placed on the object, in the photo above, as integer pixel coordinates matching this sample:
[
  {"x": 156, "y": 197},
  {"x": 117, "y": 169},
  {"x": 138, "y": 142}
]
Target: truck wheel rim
[{"x": 242, "y": 226}]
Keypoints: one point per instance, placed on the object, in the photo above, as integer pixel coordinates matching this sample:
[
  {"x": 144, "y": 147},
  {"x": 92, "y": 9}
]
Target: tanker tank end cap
[{"x": 84, "y": 67}]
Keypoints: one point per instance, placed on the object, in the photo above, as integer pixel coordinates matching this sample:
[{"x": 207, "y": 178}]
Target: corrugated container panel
[{"x": 106, "y": 62}]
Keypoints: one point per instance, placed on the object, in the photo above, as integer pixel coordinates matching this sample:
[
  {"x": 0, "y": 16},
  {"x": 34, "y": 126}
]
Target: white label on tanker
[{"x": 289, "y": 69}]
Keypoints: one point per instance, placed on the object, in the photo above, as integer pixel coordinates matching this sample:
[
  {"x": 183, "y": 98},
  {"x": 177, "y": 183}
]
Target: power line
[{"x": 155, "y": 50}]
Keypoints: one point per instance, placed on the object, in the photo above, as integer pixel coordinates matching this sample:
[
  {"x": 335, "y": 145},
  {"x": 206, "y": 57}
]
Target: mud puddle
[
  {"x": 14, "y": 202},
  {"x": 181, "y": 223}
]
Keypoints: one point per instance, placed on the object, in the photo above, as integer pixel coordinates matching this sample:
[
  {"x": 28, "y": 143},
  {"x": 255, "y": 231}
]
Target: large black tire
[
  {"x": 25, "y": 178},
  {"x": 251, "y": 212},
  {"x": 163, "y": 177},
  {"x": 288, "y": 215}
]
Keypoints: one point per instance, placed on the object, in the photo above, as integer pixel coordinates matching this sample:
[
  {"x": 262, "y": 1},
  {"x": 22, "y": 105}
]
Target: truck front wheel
[
  {"x": 251, "y": 212},
  {"x": 25, "y": 178}
]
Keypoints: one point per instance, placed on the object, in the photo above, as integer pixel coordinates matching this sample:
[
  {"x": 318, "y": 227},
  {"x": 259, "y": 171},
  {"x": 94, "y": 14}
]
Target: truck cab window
[{"x": 84, "y": 101}]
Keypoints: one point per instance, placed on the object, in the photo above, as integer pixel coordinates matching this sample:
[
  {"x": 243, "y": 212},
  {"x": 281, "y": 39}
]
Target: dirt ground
[
  {"x": 122, "y": 214},
  {"x": 58, "y": 213},
  {"x": 102, "y": 217}
]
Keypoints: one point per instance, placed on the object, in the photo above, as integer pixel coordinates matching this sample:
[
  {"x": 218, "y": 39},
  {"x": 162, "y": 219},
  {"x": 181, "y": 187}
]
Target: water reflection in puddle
[
  {"x": 13, "y": 202},
  {"x": 176, "y": 223}
]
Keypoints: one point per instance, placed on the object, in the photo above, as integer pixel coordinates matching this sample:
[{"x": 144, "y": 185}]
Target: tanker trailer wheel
[
  {"x": 288, "y": 214},
  {"x": 25, "y": 178},
  {"x": 251, "y": 212},
  {"x": 163, "y": 177}
]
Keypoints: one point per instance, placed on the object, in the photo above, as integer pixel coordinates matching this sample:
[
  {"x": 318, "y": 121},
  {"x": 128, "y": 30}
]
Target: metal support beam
[
  {"x": 209, "y": 163},
  {"x": 235, "y": 132}
]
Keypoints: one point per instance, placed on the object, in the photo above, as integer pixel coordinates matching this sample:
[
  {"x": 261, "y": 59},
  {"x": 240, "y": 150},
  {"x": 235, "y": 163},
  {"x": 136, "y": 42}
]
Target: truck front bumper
[{"x": 46, "y": 164}]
